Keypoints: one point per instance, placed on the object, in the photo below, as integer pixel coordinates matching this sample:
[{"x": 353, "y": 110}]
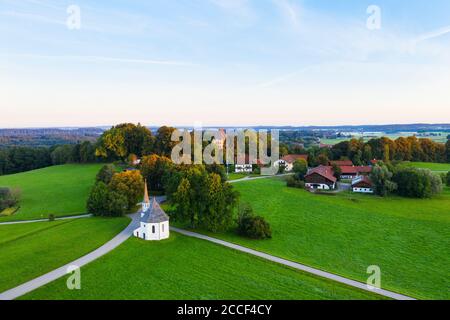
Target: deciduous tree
[{"x": 130, "y": 184}]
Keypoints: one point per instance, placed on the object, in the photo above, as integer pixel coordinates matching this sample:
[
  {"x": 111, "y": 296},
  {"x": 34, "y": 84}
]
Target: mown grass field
[
  {"x": 408, "y": 239},
  {"x": 59, "y": 190},
  {"x": 33, "y": 249},
  {"x": 440, "y": 167},
  {"x": 187, "y": 268}
]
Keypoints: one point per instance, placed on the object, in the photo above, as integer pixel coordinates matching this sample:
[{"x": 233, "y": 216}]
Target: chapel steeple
[{"x": 146, "y": 202}]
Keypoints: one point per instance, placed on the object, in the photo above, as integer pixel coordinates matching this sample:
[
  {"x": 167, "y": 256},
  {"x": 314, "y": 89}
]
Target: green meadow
[
  {"x": 409, "y": 239},
  {"x": 440, "y": 167},
  {"x": 30, "y": 250},
  {"x": 187, "y": 268},
  {"x": 59, "y": 190}
]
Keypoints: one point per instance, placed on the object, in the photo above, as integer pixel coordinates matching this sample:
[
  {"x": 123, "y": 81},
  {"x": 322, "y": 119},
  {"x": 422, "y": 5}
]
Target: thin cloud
[
  {"x": 284, "y": 78},
  {"x": 289, "y": 11},
  {"x": 107, "y": 59},
  {"x": 32, "y": 17},
  {"x": 433, "y": 34}
]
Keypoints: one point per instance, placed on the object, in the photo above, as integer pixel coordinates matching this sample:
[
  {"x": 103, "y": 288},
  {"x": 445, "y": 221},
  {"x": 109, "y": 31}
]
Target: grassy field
[
  {"x": 58, "y": 190},
  {"x": 187, "y": 268},
  {"x": 408, "y": 239},
  {"x": 33, "y": 249},
  {"x": 440, "y": 167}
]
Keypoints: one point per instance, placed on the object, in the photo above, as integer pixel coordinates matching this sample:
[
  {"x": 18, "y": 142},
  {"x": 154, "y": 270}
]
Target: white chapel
[{"x": 154, "y": 222}]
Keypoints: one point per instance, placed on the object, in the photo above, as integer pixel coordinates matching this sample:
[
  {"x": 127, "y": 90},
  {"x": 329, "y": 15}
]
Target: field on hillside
[
  {"x": 440, "y": 137},
  {"x": 439, "y": 167},
  {"x": 58, "y": 190},
  {"x": 408, "y": 239},
  {"x": 187, "y": 268},
  {"x": 33, "y": 249}
]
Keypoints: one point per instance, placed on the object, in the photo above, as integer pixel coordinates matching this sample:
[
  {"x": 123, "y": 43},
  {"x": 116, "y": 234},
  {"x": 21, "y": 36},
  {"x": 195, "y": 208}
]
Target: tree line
[
  {"x": 120, "y": 143},
  {"x": 385, "y": 149},
  {"x": 21, "y": 159},
  {"x": 401, "y": 149}
]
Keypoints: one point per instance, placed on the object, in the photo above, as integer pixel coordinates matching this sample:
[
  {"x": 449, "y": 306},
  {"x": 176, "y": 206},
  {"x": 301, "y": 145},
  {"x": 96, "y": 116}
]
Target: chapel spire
[{"x": 146, "y": 198}]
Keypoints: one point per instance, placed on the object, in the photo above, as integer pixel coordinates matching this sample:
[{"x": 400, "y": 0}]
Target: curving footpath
[
  {"x": 45, "y": 220},
  {"x": 62, "y": 271},
  {"x": 127, "y": 233},
  {"x": 260, "y": 177},
  {"x": 295, "y": 265}
]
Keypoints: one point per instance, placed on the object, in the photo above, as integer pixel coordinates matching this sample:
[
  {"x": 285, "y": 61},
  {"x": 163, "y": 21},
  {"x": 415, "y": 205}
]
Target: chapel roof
[{"x": 154, "y": 214}]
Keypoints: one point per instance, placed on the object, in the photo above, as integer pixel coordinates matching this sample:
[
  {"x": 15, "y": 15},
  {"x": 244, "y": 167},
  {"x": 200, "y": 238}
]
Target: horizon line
[{"x": 230, "y": 126}]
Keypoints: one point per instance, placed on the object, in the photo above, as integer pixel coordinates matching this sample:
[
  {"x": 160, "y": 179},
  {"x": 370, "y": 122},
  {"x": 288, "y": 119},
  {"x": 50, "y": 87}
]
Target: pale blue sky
[{"x": 224, "y": 62}]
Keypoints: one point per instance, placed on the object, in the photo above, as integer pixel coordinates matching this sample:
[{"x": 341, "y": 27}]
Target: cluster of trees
[
  {"x": 360, "y": 152},
  {"x": 417, "y": 183},
  {"x": 200, "y": 197},
  {"x": 300, "y": 169},
  {"x": 406, "y": 182},
  {"x": 127, "y": 139},
  {"x": 115, "y": 194},
  {"x": 8, "y": 198},
  {"x": 401, "y": 149}
]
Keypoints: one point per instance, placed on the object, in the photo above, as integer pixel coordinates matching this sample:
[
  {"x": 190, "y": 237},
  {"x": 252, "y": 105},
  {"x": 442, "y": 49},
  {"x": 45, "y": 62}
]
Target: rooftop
[
  {"x": 325, "y": 171},
  {"x": 290, "y": 158},
  {"x": 154, "y": 214}
]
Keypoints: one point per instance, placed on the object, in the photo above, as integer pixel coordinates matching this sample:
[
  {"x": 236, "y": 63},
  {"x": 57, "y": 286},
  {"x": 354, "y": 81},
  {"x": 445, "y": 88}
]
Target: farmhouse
[
  {"x": 154, "y": 223},
  {"x": 341, "y": 163},
  {"x": 321, "y": 178},
  {"x": 362, "y": 184},
  {"x": 351, "y": 172},
  {"x": 288, "y": 161}
]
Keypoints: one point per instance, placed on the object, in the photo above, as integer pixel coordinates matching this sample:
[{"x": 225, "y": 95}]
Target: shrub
[
  {"x": 281, "y": 169},
  {"x": 106, "y": 173},
  {"x": 251, "y": 226},
  {"x": 417, "y": 183},
  {"x": 293, "y": 182},
  {"x": 51, "y": 217},
  {"x": 8, "y": 198},
  {"x": 448, "y": 179},
  {"x": 300, "y": 168}
]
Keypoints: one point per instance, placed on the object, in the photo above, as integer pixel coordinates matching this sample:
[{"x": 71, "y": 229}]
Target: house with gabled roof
[
  {"x": 351, "y": 172},
  {"x": 321, "y": 178},
  {"x": 362, "y": 184},
  {"x": 340, "y": 163}
]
